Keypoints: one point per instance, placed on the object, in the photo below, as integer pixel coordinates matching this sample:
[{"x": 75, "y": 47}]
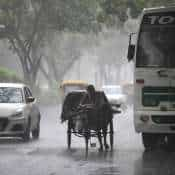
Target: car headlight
[{"x": 17, "y": 115}]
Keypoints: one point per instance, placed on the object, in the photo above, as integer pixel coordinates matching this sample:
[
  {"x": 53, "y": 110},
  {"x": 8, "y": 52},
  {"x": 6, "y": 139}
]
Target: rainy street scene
[{"x": 87, "y": 87}]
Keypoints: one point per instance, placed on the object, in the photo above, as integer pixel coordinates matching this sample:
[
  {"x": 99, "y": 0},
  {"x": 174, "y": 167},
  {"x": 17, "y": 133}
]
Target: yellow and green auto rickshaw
[{"x": 71, "y": 85}]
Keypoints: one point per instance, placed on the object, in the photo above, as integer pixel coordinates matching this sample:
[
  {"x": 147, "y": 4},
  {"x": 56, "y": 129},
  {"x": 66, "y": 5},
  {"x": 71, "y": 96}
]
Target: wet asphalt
[{"x": 49, "y": 155}]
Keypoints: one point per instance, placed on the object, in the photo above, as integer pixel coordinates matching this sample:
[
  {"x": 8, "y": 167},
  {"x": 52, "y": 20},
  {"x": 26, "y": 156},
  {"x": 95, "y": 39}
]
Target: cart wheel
[
  {"x": 87, "y": 136},
  {"x": 69, "y": 134},
  {"x": 111, "y": 134},
  {"x": 86, "y": 142}
]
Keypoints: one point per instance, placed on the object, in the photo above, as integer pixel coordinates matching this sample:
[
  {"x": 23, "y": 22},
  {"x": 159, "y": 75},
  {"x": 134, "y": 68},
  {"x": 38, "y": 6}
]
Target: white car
[
  {"x": 115, "y": 95},
  {"x": 19, "y": 114}
]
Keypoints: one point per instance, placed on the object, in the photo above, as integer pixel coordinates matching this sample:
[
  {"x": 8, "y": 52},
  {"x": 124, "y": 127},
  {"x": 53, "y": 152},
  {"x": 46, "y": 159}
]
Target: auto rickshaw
[{"x": 70, "y": 86}]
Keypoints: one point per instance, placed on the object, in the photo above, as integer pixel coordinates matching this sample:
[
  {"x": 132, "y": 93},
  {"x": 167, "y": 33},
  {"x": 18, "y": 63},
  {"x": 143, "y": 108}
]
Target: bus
[{"x": 154, "y": 76}]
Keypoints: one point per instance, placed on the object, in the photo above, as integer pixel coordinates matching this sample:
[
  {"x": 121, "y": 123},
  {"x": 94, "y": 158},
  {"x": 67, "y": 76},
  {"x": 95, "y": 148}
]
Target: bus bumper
[{"x": 154, "y": 121}]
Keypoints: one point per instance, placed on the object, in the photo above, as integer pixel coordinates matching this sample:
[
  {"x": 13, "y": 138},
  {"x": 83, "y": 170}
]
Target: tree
[
  {"x": 70, "y": 19},
  {"x": 119, "y": 7},
  {"x": 23, "y": 30},
  {"x": 30, "y": 23}
]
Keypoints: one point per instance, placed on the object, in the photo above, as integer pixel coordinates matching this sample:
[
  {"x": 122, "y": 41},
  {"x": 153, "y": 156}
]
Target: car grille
[
  {"x": 3, "y": 123},
  {"x": 165, "y": 119},
  {"x": 17, "y": 127}
]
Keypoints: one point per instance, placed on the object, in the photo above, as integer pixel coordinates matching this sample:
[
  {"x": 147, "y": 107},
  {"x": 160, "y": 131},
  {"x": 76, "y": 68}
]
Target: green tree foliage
[
  {"x": 21, "y": 28},
  {"x": 136, "y": 6},
  {"x": 113, "y": 7},
  {"x": 8, "y": 76},
  {"x": 31, "y": 24},
  {"x": 74, "y": 16},
  {"x": 28, "y": 24},
  {"x": 119, "y": 7}
]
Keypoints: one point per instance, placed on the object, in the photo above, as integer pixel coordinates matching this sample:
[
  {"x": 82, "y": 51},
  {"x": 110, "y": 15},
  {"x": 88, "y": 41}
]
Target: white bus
[{"x": 154, "y": 77}]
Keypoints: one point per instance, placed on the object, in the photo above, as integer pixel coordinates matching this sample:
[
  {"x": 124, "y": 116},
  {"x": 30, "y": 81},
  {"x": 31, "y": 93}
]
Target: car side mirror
[
  {"x": 30, "y": 99},
  {"x": 131, "y": 51}
]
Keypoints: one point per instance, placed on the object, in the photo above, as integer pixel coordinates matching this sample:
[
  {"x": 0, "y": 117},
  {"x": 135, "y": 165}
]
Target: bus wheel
[
  {"x": 171, "y": 141},
  {"x": 150, "y": 140}
]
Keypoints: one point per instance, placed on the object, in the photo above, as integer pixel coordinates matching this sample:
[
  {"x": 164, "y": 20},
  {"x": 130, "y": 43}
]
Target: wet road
[{"x": 49, "y": 156}]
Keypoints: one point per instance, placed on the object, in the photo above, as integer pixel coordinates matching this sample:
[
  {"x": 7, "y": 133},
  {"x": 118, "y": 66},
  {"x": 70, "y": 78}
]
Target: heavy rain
[{"x": 87, "y": 87}]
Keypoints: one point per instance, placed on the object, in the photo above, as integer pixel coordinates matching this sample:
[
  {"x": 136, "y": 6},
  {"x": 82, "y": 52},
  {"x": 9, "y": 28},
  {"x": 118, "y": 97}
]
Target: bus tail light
[{"x": 140, "y": 81}]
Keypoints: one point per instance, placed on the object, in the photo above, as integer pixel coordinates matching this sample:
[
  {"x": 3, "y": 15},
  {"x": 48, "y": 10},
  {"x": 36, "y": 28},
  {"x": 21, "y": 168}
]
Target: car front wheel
[
  {"x": 26, "y": 135},
  {"x": 36, "y": 131}
]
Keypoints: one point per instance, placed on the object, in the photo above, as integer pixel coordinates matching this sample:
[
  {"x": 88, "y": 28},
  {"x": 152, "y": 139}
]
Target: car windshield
[
  {"x": 112, "y": 90},
  {"x": 10, "y": 95}
]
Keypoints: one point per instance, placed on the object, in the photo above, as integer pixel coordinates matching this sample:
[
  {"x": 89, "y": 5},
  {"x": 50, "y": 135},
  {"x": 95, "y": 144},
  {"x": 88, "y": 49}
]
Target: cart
[{"x": 71, "y": 113}]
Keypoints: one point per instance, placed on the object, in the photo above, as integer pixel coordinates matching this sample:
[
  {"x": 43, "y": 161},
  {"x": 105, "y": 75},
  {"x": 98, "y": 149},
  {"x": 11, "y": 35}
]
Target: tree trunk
[{"x": 30, "y": 65}]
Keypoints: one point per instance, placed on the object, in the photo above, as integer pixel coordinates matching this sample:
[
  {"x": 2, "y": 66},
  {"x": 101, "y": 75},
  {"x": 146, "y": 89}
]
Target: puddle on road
[
  {"x": 78, "y": 154},
  {"x": 106, "y": 171},
  {"x": 42, "y": 151}
]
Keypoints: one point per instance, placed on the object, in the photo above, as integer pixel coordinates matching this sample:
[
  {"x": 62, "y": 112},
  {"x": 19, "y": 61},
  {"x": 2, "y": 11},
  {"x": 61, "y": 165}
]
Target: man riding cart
[{"x": 88, "y": 114}]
